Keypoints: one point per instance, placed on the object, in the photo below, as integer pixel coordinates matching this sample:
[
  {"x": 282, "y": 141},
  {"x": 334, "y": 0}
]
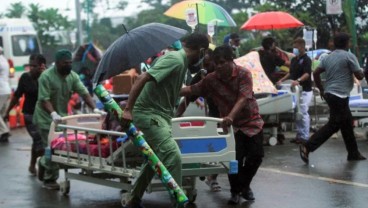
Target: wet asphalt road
[{"x": 283, "y": 181}]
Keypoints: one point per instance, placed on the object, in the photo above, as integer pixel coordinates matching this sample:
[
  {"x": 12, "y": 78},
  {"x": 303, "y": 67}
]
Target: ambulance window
[{"x": 24, "y": 45}]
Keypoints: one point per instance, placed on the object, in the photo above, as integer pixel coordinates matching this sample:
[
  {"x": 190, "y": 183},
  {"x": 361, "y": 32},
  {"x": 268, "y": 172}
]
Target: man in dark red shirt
[{"x": 231, "y": 89}]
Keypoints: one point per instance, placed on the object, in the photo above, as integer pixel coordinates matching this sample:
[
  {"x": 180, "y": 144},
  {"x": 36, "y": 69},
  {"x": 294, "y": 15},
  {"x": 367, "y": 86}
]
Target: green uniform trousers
[
  {"x": 157, "y": 133},
  {"x": 51, "y": 169}
]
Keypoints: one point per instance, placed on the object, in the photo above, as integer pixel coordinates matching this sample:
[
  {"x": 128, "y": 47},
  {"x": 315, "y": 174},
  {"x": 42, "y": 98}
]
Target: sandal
[
  {"x": 214, "y": 186},
  {"x": 304, "y": 153}
]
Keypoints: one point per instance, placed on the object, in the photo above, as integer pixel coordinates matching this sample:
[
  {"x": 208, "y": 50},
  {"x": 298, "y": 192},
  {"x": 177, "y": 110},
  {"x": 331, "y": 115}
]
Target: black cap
[{"x": 234, "y": 36}]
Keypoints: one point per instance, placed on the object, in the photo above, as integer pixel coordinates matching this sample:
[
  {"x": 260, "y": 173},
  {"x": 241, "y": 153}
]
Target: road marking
[
  {"x": 23, "y": 148},
  {"x": 330, "y": 180}
]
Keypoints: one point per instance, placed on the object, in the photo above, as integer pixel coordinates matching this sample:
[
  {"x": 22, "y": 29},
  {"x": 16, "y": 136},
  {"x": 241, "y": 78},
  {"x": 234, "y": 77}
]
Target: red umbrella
[{"x": 270, "y": 21}]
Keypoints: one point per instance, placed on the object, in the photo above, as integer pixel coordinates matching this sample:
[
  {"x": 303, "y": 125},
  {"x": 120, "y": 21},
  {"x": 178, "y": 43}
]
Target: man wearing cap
[
  {"x": 56, "y": 85},
  {"x": 152, "y": 100},
  {"x": 234, "y": 42},
  {"x": 4, "y": 95}
]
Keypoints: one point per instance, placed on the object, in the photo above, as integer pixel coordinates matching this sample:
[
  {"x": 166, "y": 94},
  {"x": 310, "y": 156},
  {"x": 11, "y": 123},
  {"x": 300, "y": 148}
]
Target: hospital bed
[
  {"x": 359, "y": 107},
  {"x": 107, "y": 158},
  {"x": 276, "y": 108},
  {"x": 273, "y": 109},
  {"x": 319, "y": 110}
]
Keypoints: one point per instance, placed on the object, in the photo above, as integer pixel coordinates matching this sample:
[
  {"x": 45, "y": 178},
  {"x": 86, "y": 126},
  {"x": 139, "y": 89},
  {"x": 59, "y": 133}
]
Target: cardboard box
[{"x": 122, "y": 83}]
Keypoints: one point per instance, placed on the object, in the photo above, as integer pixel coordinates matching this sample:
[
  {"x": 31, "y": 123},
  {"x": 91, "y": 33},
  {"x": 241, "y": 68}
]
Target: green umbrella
[{"x": 206, "y": 12}]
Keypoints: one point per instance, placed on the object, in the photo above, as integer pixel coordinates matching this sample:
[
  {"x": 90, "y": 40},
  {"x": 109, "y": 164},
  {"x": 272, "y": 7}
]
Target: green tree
[
  {"x": 16, "y": 10},
  {"x": 122, "y": 4},
  {"x": 47, "y": 21},
  {"x": 103, "y": 33},
  {"x": 154, "y": 15}
]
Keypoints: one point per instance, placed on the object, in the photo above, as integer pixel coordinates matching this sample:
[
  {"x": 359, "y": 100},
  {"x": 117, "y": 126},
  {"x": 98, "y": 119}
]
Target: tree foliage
[
  {"x": 312, "y": 13},
  {"x": 154, "y": 15},
  {"x": 44, "y": 20},
  {"x": 103, "y": 33},
  {"x": 16, "y": 10},
  {"x": 47, "y": 21}
]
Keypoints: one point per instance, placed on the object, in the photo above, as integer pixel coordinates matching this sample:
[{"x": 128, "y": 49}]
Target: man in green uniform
[
  {"x": 56, "y": 85},
  {"x": 151, "y": 106}
]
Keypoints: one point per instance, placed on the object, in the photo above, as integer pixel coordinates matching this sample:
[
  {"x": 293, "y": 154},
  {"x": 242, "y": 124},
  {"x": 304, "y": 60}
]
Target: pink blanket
[{"x": 59, "y": 143}]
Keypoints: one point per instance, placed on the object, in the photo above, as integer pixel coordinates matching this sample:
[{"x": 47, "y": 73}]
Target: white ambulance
[{"x": 19, "y": 40}]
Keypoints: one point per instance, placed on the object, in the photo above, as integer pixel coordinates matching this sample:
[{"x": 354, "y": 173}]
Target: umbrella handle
[{"x": 86, "y": 52}]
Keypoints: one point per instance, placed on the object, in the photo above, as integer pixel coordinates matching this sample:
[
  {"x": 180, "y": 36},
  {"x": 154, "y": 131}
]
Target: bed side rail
[{"x": 200, "y": 140}]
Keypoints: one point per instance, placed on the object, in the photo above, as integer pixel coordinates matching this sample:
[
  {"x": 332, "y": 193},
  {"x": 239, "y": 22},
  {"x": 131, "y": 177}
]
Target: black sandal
[{"x": 304, "y": 153}]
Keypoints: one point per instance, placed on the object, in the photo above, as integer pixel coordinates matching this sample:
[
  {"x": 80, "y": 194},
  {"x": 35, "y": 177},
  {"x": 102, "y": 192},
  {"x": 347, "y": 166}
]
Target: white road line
[{"x": 331, "y": 180}]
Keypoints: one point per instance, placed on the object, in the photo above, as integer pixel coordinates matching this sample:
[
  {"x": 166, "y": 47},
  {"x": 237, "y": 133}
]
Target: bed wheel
[
  {"x": 272, "y": 141},
  {"x": 65, "y": 187},
  {"x": 124, "y": 198},
  {"x": 192, "y": 195}
]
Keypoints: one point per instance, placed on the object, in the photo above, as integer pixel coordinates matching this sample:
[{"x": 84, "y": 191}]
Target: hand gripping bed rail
[{"x": 138, "y": 140}]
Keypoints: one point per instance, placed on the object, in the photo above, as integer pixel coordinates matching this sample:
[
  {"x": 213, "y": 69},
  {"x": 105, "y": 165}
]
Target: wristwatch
[{"x": 299, "y": 80}]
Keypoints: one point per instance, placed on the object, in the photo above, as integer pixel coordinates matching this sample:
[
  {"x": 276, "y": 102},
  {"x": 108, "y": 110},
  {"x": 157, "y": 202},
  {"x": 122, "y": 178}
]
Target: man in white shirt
[{"x": 4, "y": 95}]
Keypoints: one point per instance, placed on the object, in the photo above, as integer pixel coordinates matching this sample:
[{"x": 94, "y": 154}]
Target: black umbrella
[{"x": 134, "y": 47}]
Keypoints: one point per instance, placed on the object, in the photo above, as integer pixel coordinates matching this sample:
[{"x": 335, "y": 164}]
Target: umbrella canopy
[
  {"x": 207, "y": 12},
  {"x": 270, "y": 21},
  {"x": 86, "y": 56},
  {"x": 261, "y": 83},
  {"x": 134, "y": 47}
]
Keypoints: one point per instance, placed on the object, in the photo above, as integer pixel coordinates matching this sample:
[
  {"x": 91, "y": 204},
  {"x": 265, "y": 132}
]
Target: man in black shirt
[
  {"x": 300, "y": 73},
  {"x": 270, "y": 59},
  {"x": 28, "y": 86}
]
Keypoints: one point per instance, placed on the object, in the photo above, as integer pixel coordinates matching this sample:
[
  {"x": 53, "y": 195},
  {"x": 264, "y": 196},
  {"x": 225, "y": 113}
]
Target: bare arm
[
  {"x": 89, "y": 101},
  {"x": 186, "y": 91},
  {"x": 283, "y": 79},
  {"x": 14, "y": 101},
  {"x": 182, "y": 107},
  {"x": 303, "y": 78},
  {"x": 359, "y": 75},
  {"x": 239, "y": 105},
  {"x": 317, "y": 79},
  {"x": 228, "y": 120},
  {"x": 47, "y": 106}
]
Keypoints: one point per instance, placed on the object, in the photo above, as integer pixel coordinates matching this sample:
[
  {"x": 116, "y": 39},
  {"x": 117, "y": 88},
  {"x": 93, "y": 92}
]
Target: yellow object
[
  {"x": 212, "y": 46},
  {"x": 207, "y": 12},
  {"x": 284, "y": 68}
]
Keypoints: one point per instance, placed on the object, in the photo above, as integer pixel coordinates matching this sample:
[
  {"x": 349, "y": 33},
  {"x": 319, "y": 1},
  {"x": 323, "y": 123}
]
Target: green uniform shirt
[
  {"x": 58, "y": 90},
  {"x": 160, "y": 96}
]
